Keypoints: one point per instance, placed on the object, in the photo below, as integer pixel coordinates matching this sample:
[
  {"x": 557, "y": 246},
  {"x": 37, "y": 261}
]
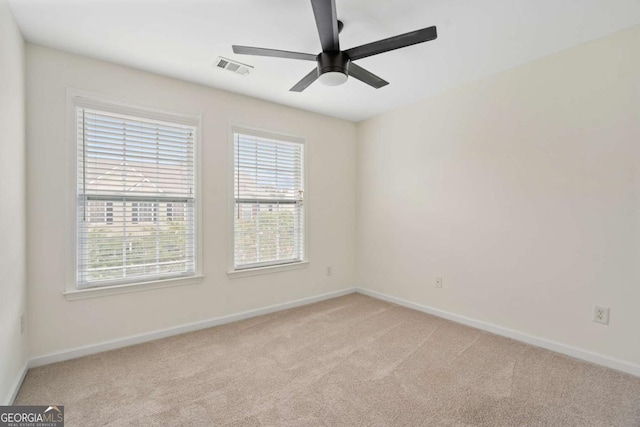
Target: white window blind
[
  {"x": 269, "y": 201},
  {"x": 136, "y": 216}
]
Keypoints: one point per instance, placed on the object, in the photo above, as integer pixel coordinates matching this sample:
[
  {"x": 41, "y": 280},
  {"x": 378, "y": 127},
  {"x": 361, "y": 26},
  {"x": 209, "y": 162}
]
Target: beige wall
[
  {"x": 523, "y": 191},
  {"x": 13, "y": 285},
  {"x": 57, "y": 324}
]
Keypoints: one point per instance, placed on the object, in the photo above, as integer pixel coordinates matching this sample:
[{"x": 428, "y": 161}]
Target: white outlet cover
[{"x": 601, "y": 315}]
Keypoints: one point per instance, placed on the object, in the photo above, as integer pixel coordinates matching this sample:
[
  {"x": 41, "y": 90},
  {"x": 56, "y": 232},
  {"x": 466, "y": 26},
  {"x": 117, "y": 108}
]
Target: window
[
  {"x": 145, "y": 212},
  {"x": 134, "y": 173},
  {"x": 269, "y": 200}
]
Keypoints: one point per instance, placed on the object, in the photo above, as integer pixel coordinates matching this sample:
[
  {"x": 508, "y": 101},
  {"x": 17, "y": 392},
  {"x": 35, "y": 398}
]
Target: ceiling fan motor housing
[{"x": 333, "y": 62}]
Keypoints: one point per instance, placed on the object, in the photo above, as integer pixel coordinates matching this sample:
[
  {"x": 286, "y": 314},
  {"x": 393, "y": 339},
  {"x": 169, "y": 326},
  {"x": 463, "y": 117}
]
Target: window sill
[
  {"x": 266, "y": 270},
  {"x": 78, "y": 294}
]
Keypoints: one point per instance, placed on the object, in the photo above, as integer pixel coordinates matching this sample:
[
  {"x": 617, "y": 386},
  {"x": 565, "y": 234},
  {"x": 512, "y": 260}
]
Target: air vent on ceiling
[{"x": 233, "y": 66}]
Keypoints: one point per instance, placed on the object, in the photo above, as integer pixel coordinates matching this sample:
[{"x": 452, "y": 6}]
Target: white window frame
[
  {"x": 232, "y": 272},
  {"x": 79, "y": 98}
]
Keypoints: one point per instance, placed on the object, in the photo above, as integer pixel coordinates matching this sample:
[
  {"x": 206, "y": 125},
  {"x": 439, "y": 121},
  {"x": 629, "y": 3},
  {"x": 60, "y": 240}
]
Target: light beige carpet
[{"x": 350, "y": 361}]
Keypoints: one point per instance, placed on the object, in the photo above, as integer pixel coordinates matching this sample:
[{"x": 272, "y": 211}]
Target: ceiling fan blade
[
  {"x": 259, "y": 51},
  {"x": 327, "y": 23},
  {"x": 392, "y": 43},
  {"x": 366, "y": 76},
  {"x": 306, "y": 81}
]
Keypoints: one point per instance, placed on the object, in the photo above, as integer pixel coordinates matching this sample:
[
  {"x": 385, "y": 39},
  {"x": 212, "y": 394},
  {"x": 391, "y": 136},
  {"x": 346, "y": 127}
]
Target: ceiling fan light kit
[
  {"x": 333, "y": 78},
  {"x": 334, "y": 66}
]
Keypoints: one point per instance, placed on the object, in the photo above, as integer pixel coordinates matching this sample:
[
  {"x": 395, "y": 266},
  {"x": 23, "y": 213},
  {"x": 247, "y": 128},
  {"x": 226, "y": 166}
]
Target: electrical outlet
[
  {"x": 438, "y": 281},
  {"x": 329, "y": 271},
  {"x": 601, "y": 315},
  {"x": 22, "y": 324}
]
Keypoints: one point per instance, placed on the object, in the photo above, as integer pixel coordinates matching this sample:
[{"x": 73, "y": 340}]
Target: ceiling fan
[{"x": 335, "y": 65}]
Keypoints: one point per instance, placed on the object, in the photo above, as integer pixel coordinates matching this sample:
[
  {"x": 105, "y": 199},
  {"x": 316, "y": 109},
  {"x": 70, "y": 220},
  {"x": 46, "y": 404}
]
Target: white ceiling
[{"x": 182, "y": 38}]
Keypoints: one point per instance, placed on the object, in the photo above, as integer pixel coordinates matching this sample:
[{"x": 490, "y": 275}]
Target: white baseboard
[
  {"x": 557, "y": 347},
  {"x": 176, "y": 330},
  {"x": 13, "y": 392}
]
